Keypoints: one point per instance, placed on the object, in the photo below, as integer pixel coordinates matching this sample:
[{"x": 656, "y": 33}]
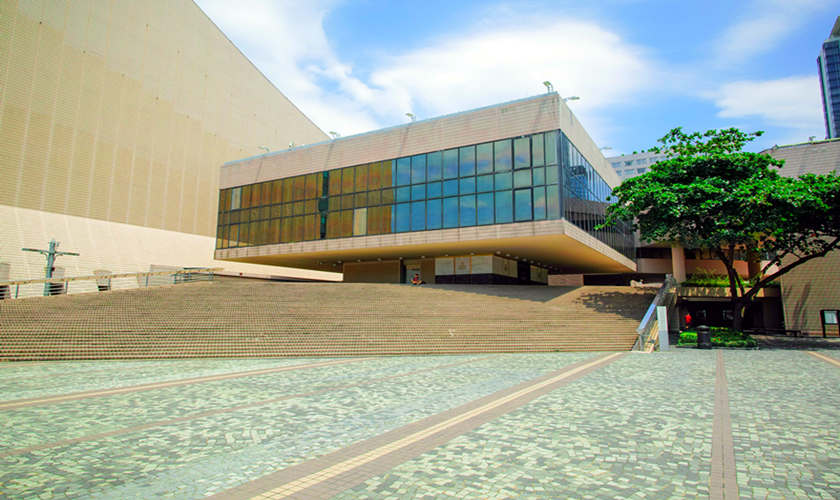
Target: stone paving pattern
[{"x": 639, "y": 427}]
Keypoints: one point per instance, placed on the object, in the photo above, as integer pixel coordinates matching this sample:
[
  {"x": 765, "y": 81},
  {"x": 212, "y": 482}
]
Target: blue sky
[{"x": 639, "y": 67}]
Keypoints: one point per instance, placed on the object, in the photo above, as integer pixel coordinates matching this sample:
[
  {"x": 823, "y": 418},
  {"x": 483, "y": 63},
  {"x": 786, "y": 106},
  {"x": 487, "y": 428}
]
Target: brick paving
[{"x": 470, "y": 426}]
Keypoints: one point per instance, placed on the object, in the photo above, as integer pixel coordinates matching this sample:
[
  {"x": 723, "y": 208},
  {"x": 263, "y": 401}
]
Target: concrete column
[{"x": 678, "y": 263}]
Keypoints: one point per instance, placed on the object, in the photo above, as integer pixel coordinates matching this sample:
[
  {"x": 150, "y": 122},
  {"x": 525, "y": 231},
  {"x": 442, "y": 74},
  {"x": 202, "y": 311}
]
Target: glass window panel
[
  {"x": 403, "y": 217},
  {"x": 403, "y": 194},
  {"x": 347, "y": 201},
  {"x": 361, "y": 200},
  {"x": 374, "y": 220},
  {"x": 418, "y": 169},
  {"x": 274, "y": 232},
  {"x": 276, "y": 191},
  {"x": 485, "y": 183},
  {"x": 246, "y": 196},
  {"x": 334, "y": 203},
  {"x": 450, "y": 212},
  {"x": 346, "y": 223},
  {"x": 361, "y": 178},
  {"x": 403, "y": 171},
  {"x": 551, "y": 175},
  {"x": 266, "y": 194},
  {"x": 484, "y": 158},
  {"x": 310, "y": 206},
  {"x": 288, "y": 189},
  {"x": 504, "y": 181},
  {"x": 298, "y": 208},
  {"x": 450, "y": 164},
  {"x": 288, "y": 209},
  {"x": 522, "y": 178},
  {"x": 450, "y": 188},
  {"x": 255, "y": 214},
  {"x": 484, "y": 208},
  {"x": 387, "y": 196},
  {"x": 335, "y": 184},
  {"x": 418, "y": 216},
  {"x": 286, "y": 230},
  {"x": 418, "y": 192},
  {"x": 246, "y": 232},
  {"x": 262, "y": 233},
  {"x": 502, "y": 155},
  {"x": 310, "y": 225},
  {"x": 299, "y": 189},
  {"x": 467, "y": 161},
  {"x": 265, "y": 212},
  {"x": 233, "y": 236},
  {"x": 256, "y": 195},
  {"x": 467, "y": 185},
  {"x": 333, "y": 224},
  {"x": 347, "y": 175},
  {"x": 433, "y": 214},
  {"x": 360, "y": 221},
  {"x": 522, "y": 152},
  {"x": 435, "y": 161},
  {"x": 375, "y": 176},
  {"x": 374, "y": 198},
  {"x": 504, "y": 206},
  {"x": 522, "y": 204},
  {"x": 467, "y": 210},
  {"x": 552, "y": 201},
  {"x": 236, "y": 198},
  {"x": 434, "y": 189},
  {"x": 276, "y": 211},
  {"x": 539, "y": 203},
  {"x": 537, "y": 150},
  {"x": 234, "y": 217},
  {"x": 539, "y": 176},
  {"x": 551, "y": 148}
]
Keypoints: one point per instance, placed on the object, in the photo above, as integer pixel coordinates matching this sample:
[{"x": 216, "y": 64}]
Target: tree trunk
[{"x": 739, "y": 308}]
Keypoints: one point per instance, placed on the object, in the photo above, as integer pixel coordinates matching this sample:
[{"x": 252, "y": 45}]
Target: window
[
  {"x": 418, "y": 169},
  {"x": 403, "y": 217},
  {"x": 522, "y": 199},
  {"x": 502, "y": 155},
  {"x": 484, "y": 183},
  {"x": 522, "y": 178},
  {"x": 403, "y": 171},
  {"x": 450, "y": 212},
  {"x": 450, "y": 188},
  {"x": 433, "y": 214},
  {"x": 467, "y": 161},
  {"x": 504, "y": 181},
  {"x": 522, "y": 152},
  {"x": 504, "y": 206},
  {"x": 467, "y": 185},
  {"x": 418, "y": 216},
  {"x": 435, "y": 165},
  {"x": 434, "y": 189},
  {"x": 484, "y": 208},
  {"x": 484, "y": 158},
  {"x": 467, "y": 210},
  {"x": 450, "y": 164}
]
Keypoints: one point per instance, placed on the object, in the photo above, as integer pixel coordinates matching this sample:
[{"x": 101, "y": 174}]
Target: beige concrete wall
[
  {"x": 809, "y": 288},
  {"x": 372, "y": 272},
  {"x": 124, "y": 111},
  {"x": 112, "y": 246},
  {"x": 526, "y": 116}
]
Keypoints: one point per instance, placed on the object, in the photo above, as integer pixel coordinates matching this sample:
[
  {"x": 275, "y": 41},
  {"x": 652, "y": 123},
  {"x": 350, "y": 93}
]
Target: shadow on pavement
[{"x": 805, "y": 343}]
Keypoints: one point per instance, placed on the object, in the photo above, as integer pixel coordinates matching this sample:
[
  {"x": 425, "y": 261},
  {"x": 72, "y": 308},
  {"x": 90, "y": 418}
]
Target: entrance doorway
[{"x": 410, "y": 271}]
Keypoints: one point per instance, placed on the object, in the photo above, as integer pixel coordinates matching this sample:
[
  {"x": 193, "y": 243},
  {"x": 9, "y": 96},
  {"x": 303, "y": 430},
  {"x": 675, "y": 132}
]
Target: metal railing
[
  {"x": 648, "y": 328},
  {"x": 20, "y": 289}
]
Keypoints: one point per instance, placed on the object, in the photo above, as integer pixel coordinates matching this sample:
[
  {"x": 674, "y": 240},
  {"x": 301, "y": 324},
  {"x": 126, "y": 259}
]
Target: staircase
[{"x": 235, "y": 318}]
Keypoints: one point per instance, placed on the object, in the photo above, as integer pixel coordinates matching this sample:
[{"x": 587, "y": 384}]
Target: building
[
  {"x": 813, "y": 286},
  {"x": 114, "y": 119},
  {"x": 503, "y": 194},
  {"x": 828, "y": 64},
  {"x": 627, "y": 166}
]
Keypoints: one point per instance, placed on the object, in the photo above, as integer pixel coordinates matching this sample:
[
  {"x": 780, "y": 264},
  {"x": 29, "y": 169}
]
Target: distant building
[
  {"x": 627, "y": 166},
  {"x": 828, "y": 63}
]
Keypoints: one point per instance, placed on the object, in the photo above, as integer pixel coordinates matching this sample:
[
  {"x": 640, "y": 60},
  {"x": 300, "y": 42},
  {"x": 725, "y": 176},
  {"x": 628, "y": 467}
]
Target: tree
[{"x": 710, "y": 194}]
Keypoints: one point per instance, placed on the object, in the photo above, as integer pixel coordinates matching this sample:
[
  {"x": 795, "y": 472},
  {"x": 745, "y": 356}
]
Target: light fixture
[
  {"x": 411, "y": 115},
  {"x": 291, "y": 144},
  {"x": 265, "y": 148},
  {"x": 548, "y": 86},
  {"x": 334, "y": 134}
]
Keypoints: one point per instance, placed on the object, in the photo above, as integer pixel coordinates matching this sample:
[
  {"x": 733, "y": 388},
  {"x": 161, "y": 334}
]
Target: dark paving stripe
[
  {"x": 219, "y": 411},
  {"x": 723, "y": 481},
  {"x": 330, "y": 474},
  {"x": 21, "y": 403},
  {"x": 827, "y": 359}
]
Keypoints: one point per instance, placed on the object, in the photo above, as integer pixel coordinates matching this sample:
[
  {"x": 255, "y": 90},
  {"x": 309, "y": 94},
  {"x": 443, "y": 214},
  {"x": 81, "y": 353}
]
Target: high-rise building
[
  {"x": 829, "y": 67},
  {"x": 627, "y": 166}
]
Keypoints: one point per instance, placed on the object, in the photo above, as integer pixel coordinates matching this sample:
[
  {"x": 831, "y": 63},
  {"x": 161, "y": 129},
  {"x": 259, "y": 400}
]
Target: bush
[
  {"x": 721, "y": 337},
  {"x": 704, "y": 277},
  {"x": 688, "y": 338}
]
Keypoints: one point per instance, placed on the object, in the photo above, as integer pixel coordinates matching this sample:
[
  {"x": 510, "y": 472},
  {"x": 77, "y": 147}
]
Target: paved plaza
[{"x": 685, "y": 423}]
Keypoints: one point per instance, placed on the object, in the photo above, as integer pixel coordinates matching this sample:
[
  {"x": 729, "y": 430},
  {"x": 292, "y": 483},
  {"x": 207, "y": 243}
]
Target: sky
[{"x": 639, "y": 67}]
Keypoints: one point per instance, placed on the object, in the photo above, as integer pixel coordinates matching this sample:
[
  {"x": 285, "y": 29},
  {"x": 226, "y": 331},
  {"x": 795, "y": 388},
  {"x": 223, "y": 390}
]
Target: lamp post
[
  {"x": 411, "y": 116},
  {"x": 549, "y": 88},
  {"x": 50, "y": 254}
]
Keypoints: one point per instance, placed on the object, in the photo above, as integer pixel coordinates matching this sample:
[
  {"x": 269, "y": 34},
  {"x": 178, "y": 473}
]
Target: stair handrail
[{"x": 649, "y": 319}]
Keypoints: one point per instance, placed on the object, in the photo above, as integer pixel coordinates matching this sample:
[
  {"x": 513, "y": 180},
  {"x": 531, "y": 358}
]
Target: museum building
[{"x": 508, "y": 193}]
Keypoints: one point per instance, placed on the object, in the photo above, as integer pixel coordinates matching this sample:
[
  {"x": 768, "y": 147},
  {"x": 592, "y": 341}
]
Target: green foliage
[
  {"x": 721, "y": 337},
  {"x": 704, "y": 277},
  {"x": 710, "y": 194}
]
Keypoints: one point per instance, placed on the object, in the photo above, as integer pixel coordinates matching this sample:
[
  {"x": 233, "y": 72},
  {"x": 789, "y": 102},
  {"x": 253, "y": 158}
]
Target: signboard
[
  {"x": 829, "y": 317},
  {"x": 462, "y": 265}
]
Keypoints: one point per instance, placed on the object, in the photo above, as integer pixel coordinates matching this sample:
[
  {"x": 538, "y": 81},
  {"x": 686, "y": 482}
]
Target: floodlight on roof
[
  {"x": 334, "y": 134},
  {"x": 411, "y": 115},
  {"x": 548, "y": 86}
]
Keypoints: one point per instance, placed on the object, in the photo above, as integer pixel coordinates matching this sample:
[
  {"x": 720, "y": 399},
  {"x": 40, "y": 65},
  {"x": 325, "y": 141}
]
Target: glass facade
[{"x": 536, "y": 177}]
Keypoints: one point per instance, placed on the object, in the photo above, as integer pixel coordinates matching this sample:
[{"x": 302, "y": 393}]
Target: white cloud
[
  {"x": 491, "y": 62},
  {"x": 790, "y": 103},
  {"x": 764, "y": 25}
]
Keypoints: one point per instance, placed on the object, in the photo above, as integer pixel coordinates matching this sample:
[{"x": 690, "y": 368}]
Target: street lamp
[
  {"x": 548, "y": 86},
  {"x": 411, "y": 115}
]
